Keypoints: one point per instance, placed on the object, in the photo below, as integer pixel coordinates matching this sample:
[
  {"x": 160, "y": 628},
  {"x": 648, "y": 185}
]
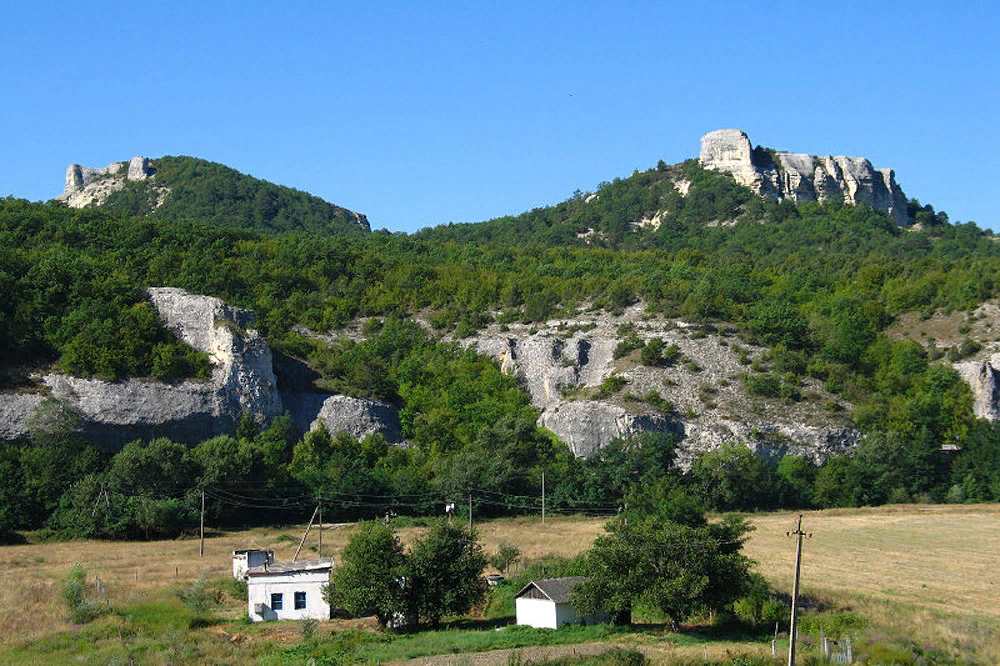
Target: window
[
  {"x": 300, "y": 600},
  {"x": 276, "y": 601}
]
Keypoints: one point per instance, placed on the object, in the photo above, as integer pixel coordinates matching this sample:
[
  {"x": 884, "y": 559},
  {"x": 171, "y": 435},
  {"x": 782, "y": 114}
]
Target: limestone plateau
[{"x": 800, "y": 177}]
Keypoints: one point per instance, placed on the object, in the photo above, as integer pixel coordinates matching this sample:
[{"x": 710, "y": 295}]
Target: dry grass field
[{"x": 925, "y": 571}]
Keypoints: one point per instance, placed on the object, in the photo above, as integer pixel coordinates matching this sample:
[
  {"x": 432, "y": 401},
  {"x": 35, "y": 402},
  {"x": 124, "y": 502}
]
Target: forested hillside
[
  {"x": 817, "y": 283},
  {"x": 213, "y": 193}
]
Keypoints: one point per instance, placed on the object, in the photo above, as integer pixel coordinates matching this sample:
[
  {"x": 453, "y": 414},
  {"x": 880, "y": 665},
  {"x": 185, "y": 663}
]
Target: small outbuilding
[
  {"x": 546, "y": 604},
  {"x": 289, "y": 591},
  {"x": 246, "y": 559}
]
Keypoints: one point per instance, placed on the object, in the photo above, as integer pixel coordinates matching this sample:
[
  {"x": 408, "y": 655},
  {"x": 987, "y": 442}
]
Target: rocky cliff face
[
  {"x": 699, "y": 397},
  {"x": 92, "y": 187},
  {"x": 983, "y": 377},
  {"x": 800, "y": 177},
  {"x": 242, "y": 381}
]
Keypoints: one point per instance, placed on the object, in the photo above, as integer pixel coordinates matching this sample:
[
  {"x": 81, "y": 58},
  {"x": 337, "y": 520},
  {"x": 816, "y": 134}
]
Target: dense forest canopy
[
  {"x": 818, "y": 283},
  {"x": 216, "y": 194}
]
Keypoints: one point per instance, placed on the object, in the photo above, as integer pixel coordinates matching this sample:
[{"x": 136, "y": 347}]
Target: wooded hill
[
  {"x": 213, "y": 193},
  {"x": 817, "y": 283}
]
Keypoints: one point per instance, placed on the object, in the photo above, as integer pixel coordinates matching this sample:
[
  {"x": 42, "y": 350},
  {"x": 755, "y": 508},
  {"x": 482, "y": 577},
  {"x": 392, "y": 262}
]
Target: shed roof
[
  {"x": 554, "y": 589},
  {"x": 292, "y": 567}
]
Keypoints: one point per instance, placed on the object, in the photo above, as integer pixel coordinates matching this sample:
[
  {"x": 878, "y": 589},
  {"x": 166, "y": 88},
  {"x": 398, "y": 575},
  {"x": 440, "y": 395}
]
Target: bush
[
  {"x": 505, "y": 557},
  {"x": 81, "y": 609},
  {"x": 652, "y": 353},
  {"x": 766, "y": 385},
  {"x": 200, "y": 597},
  {"x": 610, "y": 386},
  {"x": 627, "y": 345}
]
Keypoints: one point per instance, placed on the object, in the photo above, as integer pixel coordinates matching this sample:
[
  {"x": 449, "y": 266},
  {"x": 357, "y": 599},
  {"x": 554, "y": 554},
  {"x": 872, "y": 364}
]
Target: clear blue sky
[{"x": 422, "y": 113}]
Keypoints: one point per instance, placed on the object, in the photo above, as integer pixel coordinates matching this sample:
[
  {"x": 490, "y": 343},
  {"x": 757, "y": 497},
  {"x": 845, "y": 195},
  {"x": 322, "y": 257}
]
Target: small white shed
[
  {"x": 245, "y": 559},
  {"x": 545, "y": 604},
  {"x": 289, "y": 591}
]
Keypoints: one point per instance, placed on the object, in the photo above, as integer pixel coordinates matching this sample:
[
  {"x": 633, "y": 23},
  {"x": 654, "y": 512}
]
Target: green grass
[{"x": 358, "y": 647}]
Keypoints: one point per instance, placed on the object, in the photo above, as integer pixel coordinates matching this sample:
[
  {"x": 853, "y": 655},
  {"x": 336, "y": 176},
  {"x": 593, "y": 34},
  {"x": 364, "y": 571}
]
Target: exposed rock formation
[
  {"x": 359, "y": 417},
  {"x": 982, "y": 377},
  {"x": 563, "y": 366},
  {"x": 86, "y": 186},
  {"x": 243, "y": 381},
  {"x": 800, "y": 177}
]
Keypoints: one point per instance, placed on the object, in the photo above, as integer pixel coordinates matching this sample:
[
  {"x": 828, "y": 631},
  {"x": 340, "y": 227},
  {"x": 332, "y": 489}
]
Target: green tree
[
  {"x": 444, "y": 574},
  {"x": 370, "y": 577},
  {"x": 675, "y": 568},
  {"x": 733, "y": 478}
]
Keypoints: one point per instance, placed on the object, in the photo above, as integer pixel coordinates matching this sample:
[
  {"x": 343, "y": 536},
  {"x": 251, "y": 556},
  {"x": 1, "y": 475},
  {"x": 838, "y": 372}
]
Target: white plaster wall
[
  {"x": 244, "y": 561},
  {"x": 260, "y": 588},
  {"x": 538, "y": 613}
]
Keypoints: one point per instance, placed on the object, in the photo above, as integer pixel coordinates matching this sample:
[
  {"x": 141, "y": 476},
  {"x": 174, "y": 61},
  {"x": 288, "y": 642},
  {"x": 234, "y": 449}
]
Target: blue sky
[{"x": 422, "y": 113}]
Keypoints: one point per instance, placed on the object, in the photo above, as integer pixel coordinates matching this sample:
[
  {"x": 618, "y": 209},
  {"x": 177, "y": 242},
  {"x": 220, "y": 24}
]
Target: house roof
[
  {"x": 292, "y": 567},
  {"x": 554, "y": 589}
]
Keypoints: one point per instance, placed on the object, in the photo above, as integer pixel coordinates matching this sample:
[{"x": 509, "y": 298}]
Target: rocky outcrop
[
  {"x": 589, "y": 425},
  {"x": 982, "y": 377},
  {"x": 242, "y": 381},
  {"x": 86, "y": 186},
  {"x": 698, "y": 398},
  {"x": 800, "y": 177},
  {"x": 359, "y": 417}
]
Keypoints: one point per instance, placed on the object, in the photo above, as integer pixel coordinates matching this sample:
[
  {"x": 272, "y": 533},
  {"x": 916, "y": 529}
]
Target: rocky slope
[
  {"x": 565, "y": 365},
  {"x": 243, "y": 381},
  {"x": 800, "y": 177},
  {"x": 699, "y": 397}
]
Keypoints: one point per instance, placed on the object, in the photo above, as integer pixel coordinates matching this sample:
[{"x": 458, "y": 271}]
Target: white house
[
  {"x": 289, "y": 591},
  {"x": 245, "y": 559},
  {"x": 545, "y": 604}
]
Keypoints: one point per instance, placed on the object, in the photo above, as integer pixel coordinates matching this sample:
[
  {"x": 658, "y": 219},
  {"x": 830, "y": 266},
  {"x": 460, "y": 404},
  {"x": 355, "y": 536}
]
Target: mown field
[{"x": 926, "y": 572}]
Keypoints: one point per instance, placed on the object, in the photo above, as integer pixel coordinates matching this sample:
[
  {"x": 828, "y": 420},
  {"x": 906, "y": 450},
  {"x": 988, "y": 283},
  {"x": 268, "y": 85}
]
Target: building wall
[
  {"x": 565, "y": 614},
  {"x": 538, "y": 613},
  {"x": 253, "y": 558},
  {"x": 261, "y": 587}
]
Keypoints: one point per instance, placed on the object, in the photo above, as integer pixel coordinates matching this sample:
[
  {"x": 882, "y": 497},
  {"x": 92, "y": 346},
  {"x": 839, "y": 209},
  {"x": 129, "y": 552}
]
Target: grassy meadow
[{"x": 925, "y": 572}]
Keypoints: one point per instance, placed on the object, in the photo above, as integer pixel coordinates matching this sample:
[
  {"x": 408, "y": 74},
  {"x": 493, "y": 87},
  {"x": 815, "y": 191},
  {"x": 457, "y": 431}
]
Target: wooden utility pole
[
  {"x": 543, "y": 498},
  {"x": 798, "y": 533},
  {"x": 201, "y": 548},
  {"x": 321, "y": 526},
  {"x": 303, "y": 540}
]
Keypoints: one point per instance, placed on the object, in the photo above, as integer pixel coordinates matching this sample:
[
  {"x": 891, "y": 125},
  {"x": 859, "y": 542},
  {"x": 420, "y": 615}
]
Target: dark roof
[
  {"x": 555, "y": 589},
  {"x": 292, "y": 567}
]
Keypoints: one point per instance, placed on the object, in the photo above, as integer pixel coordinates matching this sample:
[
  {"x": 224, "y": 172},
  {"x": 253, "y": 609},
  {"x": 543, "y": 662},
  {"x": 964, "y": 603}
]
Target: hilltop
[
  {"x": 731, "y": 183},
  {"x": 187, "y": 188}
]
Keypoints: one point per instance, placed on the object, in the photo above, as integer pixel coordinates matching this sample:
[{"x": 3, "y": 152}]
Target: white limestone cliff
[
  {"x": 801, "y": 177},
  {"x": 86, "y": 186}
]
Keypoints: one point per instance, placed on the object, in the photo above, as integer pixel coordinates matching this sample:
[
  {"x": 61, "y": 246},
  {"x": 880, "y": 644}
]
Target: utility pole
[
  {"x": 798, "y": 533},
  {"x": 543, "y": 498},
  {"x": 305, "y": 534},
  {"x": 201, "y": 549},
  {"x": 321, "y": 527}
]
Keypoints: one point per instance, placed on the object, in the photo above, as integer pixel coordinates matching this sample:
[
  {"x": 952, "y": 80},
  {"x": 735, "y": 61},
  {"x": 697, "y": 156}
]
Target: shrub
[
  {"x": 505, "y": 557},
  {"x": 652, "y": 353},
  {"x": 766, "y": 385},
  {"x": 611, "y": 385},
  {"x": 200, "y": 597},
  {"x": 81, "y": 609}
]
